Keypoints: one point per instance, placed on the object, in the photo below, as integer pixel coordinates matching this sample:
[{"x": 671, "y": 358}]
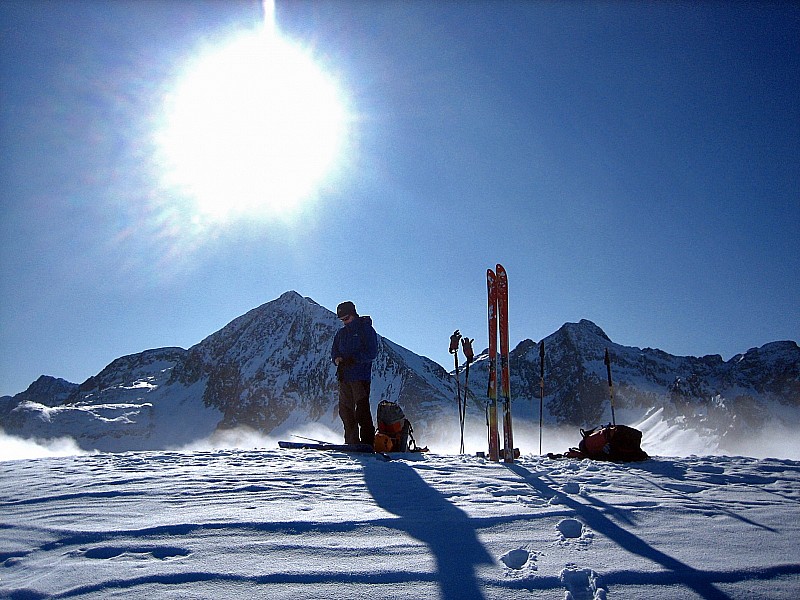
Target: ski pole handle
[
  {"x": 466, "y": 345},
  {"x": 454, "y": 339}
]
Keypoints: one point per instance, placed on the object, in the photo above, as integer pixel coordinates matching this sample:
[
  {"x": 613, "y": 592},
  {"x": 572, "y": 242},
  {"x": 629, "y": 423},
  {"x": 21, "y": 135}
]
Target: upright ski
[
  {"x": 502, "y": 315},
  {"x": 491, "y": 408}
]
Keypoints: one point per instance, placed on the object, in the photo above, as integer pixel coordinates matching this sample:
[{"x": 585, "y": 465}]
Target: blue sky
[{"x": 635, "y": 164}]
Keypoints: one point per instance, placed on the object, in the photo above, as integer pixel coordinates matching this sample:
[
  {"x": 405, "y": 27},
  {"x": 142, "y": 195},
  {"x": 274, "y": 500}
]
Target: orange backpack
[{"x": 395, "y": 433}]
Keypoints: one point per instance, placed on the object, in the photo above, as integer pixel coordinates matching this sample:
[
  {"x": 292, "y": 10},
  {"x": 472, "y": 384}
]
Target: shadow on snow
[
  {"x": 428, "y": 516},
  {"x": 679, "y": 573}
]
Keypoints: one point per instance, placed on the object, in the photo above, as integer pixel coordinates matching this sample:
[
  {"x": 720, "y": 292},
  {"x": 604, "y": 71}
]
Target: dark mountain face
[{"x": 270, "y": 369}]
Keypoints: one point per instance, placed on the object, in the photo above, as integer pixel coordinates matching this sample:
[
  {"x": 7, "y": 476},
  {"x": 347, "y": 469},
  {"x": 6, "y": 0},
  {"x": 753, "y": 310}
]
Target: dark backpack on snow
[{"x": 618, "y": 443}]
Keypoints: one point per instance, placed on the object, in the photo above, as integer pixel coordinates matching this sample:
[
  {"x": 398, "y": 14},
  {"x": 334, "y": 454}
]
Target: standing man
[{"x": 354, "y": 348}]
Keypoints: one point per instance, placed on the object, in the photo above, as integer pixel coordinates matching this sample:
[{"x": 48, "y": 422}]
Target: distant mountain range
[
  {"x": 269, "y": 370},
  {"x": 707, "y": 394}
]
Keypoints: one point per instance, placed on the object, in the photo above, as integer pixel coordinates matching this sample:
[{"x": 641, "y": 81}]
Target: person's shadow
[{"x": 429, "y": 517}]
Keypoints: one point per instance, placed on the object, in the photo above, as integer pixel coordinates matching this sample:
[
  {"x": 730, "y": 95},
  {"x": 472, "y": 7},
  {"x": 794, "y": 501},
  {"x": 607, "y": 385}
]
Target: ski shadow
[
  {"x": 695, "y": 579},
  {"x": 428, "y": 516}
]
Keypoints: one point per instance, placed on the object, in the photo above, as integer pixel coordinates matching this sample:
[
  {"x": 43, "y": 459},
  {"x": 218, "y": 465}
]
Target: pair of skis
[{"x": 497, "y": 294}]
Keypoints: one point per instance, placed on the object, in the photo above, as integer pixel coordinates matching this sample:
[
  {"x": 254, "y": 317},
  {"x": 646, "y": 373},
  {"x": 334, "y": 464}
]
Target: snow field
[{"x": 284, "y": 524}]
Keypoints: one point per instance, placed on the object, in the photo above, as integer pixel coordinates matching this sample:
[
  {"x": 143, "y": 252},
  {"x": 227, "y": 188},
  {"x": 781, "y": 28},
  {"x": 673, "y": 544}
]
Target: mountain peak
[
  {"x": 584, "y": 328},
  {"x": 47, "y": 390},
  {"x": 290, "y": 296},
  {"x": 290, "y": 300}
]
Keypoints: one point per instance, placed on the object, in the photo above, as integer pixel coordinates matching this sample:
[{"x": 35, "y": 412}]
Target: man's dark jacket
[{"x": 357, "y": 344}]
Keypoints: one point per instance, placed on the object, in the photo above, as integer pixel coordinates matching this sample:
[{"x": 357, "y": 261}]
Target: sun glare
[{"x": 251, "y": 128}]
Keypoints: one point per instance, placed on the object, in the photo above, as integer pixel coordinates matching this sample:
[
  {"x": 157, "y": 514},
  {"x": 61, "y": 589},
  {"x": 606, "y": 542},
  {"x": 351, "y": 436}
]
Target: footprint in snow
[
  {"x": 685, "y": 488},
  {"x": 572, "y": 529},
  {"x": 516, "y": 559},
  {"x": 135, "y": 553},
  {"x": 531, "y": 502},
  {"x": 582, "y": 584},
  {"x": 520, "y": 563},
  {"x": 713, "y": 469},
  {"x": 571, "y": 487}
]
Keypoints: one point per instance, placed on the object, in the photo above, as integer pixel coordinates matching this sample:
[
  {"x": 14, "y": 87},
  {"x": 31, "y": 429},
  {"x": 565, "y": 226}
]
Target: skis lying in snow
[
  {"x": 363, "y": 448},
  {"x": 348, "y": 448}
]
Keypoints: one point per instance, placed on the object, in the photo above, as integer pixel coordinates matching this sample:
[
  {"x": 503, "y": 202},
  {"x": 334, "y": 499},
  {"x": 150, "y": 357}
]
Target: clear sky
[{"x": 636, "y": 164}]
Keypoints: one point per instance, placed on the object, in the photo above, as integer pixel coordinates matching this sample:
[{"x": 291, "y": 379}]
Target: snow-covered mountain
[
  {"x": 269, "y": 370},
  {"x": 724, "y": 400}
]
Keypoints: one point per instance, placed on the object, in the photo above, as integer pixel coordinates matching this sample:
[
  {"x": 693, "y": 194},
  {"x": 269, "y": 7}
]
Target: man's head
[{"x": 346, "y": 311}]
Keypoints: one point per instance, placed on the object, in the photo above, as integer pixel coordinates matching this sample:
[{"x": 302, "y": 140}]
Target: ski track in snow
[{"x": 287, "y": 524}]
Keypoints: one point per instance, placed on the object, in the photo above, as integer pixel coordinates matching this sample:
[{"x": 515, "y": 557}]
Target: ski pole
[
  {"x": 311, "y": 439},
  {"x": 541, "y": 393},
  {"x": 607, "y": 360},
  {"x": 454, "y": 340},
  {"x": 469, "y": 355},
  {"x": 488, "y": 428}
]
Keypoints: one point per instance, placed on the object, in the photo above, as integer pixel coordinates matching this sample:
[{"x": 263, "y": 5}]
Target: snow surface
[{"x": 271, "y": 523}]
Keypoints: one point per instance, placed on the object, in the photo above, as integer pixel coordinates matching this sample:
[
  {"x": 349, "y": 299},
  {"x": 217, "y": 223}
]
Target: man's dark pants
[{"x": 355, "y": 412}]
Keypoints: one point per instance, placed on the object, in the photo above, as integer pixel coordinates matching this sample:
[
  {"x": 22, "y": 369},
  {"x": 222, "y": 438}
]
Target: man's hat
[{"x": 345, "y": 308}]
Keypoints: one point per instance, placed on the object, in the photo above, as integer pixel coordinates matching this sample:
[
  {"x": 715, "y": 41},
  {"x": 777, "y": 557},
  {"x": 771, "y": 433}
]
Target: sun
[{"x": 251, "y": 128}]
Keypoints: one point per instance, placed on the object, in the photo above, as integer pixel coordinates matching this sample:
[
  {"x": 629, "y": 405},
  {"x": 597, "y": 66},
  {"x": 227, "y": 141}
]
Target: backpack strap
[
  {"x": 412, "y": 444},
  {"x": 571, "y": 453}
]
